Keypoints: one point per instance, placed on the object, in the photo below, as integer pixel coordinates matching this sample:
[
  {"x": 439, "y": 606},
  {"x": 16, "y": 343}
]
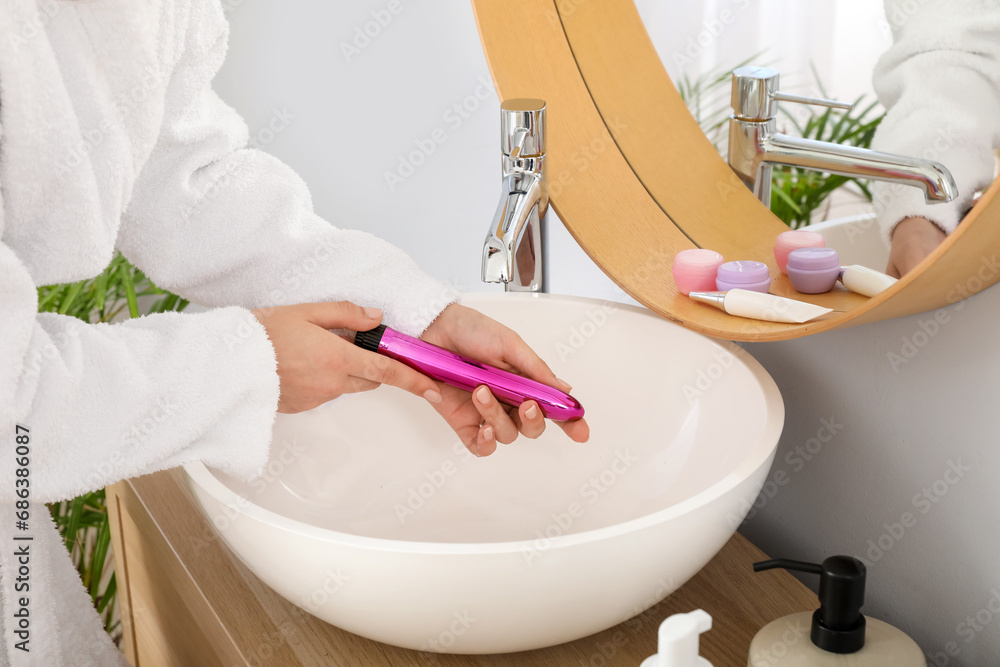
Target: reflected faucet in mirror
[
  {"x": 755, "y": 145},
  {"x": 515, "y": 247}
]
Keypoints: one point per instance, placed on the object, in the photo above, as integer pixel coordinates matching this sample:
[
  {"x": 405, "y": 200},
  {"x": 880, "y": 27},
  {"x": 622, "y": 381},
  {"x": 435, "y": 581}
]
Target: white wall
[{"x": 901, "y": 425}]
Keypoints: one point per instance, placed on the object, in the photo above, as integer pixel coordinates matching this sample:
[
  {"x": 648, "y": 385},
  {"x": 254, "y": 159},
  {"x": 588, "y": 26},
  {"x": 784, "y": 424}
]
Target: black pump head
[{"x": 838, "y": 625}]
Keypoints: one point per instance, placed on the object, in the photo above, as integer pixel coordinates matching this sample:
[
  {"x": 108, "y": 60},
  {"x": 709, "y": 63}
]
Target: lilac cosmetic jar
[
  {"x": 813, "y": 270},
  {"x": 743, "y": 274},
  {"x": 694, "y": 270}
]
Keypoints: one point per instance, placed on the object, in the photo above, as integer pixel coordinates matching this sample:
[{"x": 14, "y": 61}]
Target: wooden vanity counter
[{"x": 186, "y": 601}]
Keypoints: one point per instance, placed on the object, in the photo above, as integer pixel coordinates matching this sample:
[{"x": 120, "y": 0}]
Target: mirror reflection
[{"x": 890, "y": 170}]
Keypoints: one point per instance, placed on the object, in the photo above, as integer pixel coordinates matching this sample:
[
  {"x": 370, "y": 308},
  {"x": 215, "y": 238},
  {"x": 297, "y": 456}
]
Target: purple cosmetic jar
[
  {"x": 743, "y": 274},
  {"x": 813, "y": 270}
]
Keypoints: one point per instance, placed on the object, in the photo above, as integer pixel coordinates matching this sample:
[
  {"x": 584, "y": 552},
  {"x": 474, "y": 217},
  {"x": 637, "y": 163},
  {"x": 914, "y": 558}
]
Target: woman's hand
[
  {"x": 478, "y": 418},
  {"x": 316, "y": 365},
  {"x": 912, "y": 240}
]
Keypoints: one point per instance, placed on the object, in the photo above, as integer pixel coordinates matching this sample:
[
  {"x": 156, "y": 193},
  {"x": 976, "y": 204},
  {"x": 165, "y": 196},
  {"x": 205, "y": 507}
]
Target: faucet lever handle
[
  {"x": 818, "y": 101},
  {"x": 755, "y": 95},
  {"x": 517, "y": 141}
]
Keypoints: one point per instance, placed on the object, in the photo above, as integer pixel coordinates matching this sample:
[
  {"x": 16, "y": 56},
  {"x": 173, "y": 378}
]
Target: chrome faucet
[
  {"x": 755, "y": 145},
  {"x": 514, "y": 251}
]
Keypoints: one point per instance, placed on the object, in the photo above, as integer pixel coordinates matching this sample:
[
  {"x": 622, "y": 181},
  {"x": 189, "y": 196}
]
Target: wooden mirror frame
[{"x": 635, "y": 180}]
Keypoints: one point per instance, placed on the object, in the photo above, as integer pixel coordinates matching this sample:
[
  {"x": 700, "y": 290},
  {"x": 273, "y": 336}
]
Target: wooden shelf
[
  {"x": 635, "y": 181},
  {"x": 185, "y": 600}
]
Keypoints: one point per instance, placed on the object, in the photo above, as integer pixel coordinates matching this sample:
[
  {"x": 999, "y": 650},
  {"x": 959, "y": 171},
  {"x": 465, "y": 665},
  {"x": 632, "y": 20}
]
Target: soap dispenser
[
  {"x": 836, "y": 634},
  {"x": 678, "y": 641}
]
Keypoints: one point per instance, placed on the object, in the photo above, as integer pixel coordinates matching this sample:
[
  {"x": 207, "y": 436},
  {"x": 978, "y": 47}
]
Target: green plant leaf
[
  {"x": 99, "y": 556},
  {"x": 108, "y": 596},
  {"x": 46, "y": 296},
  {"x": 101, "y": 289},
  {"x": 788, "y": 200},
  {"x": 126, "y": 275},
  {"x": 73, "y": 521},
  {"x": 70, "y": 297}
]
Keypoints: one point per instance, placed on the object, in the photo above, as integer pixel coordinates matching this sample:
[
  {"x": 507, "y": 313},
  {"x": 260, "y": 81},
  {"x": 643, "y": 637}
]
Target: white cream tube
[
  {"x": 865, "y": 281},
  {"x": 759, "y": 306}
]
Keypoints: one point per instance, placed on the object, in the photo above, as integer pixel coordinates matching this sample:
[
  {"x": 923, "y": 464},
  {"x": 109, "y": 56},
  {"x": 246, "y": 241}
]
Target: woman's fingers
[
  {"x": 578, "y": 430},
  {"x": 529, "y": 419},
  {"x": 501, "y": 427},
  {"x": 360, "y": 370},
  {"x": 341, "y": 315},
  {"x": 316, "y": 366},
  {"x": 383, "y": 370},
  {"x": 356, "y": 385},
  {"x": 500, "y": 423},
  {"x": 486, "y": 442}
]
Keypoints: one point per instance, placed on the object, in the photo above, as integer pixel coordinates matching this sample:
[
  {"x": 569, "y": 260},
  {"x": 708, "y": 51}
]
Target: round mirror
[{"x": 638, "y": 159}]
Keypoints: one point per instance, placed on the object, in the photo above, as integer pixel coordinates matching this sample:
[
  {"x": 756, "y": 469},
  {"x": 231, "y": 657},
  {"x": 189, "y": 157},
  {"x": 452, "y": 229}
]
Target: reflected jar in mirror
[
  {"x": 743, "y": 274},
  {"x": 695, "y": 270},
  {"x": 813, "y": 270},
  {"x": 791, "y": 240}
]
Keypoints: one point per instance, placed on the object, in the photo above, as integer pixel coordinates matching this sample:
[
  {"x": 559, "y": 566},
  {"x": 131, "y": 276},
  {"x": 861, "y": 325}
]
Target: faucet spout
[
  {"x": 514, "y": 250},
  {"x": 511, "y": 253},
  {"x": 755, "y": 145},
  {"x": 930, "y": 176}
]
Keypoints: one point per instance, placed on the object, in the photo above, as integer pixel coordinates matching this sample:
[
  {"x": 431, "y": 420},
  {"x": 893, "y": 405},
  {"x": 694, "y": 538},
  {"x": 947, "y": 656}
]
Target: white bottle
[{"x": 678, "y": 641}]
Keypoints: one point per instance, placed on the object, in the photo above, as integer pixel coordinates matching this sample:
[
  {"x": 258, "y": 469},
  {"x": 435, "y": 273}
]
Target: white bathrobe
[
  {"x": 110, "y": 136},
  {"x": 940, "y": 85}
]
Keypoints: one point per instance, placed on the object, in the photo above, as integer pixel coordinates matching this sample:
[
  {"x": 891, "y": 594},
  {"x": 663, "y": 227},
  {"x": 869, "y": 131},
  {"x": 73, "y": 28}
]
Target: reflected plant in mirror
[{"x": 798, "y": 196}]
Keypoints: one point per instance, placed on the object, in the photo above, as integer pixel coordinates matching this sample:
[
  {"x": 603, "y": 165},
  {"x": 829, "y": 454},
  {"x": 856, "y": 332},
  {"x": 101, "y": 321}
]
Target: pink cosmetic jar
[
  {"x": 789, "y": 241},
  {"x": 695, "y": 269},
  {"x": 813, "y": 270},
  {"x": 743, "y": 274}
]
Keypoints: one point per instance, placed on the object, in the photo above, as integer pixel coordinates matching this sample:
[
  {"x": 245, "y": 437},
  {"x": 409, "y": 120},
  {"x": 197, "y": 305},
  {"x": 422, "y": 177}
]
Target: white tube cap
[
  {"x": 865, "y": 281},
  {"x": 678, "y": 641}
]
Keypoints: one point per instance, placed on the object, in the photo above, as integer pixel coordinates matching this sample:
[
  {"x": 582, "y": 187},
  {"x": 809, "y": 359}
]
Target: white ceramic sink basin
[{"x": 373, "y": 517}]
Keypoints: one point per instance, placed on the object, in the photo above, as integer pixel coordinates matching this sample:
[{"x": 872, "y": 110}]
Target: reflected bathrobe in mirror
[
  {"x": 940, "y": 85},
  {"x": 110, "y": 136}
]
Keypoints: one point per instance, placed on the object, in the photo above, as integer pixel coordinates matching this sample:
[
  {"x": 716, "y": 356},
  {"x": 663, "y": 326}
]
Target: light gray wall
[{"x": 353, "y": 119}]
